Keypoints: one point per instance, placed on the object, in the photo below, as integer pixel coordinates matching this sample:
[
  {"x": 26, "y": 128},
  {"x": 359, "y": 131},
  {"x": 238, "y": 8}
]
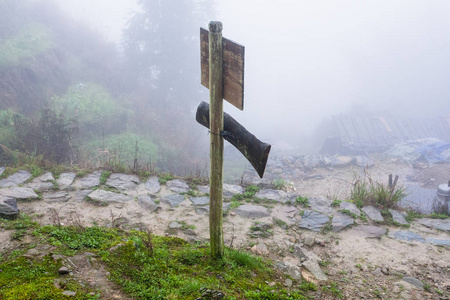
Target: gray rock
[
  {"x": 65, "y": 180},
  {"x": 107, "y": 196},
  {"x": 89, "y": 181},
  {"x": 291, "y": 269},
  {"x": 198, "y": 201},
  {"x": 123, "y": 182},
  {"x": 173, "y": 200},
  {"x": 8, "y": 207},
  {"x": 368, "y": 231},
  {"x": 350, "y": 207},
  {"x": 80, "y": 195},
  {"x": 63, "y": 270},
  {"x": 203, "y": 189},
  {"x": 148, "y": 203},
  {"x": 229, "y": 190},
  {"x": 313, "y": 220},
  {"x": 275, "y": 195},
  {"x": 313, "y": 267},
  {"x": 341, "y": 221},
  {"x": 437, "y": 242},
  {"x": 341, "y": 161},
  {"x": 373, "y": 213},
  {"x": 15, "y": 179},
  {"x": 409, "y": 236},
  {"x": 152, "y": 185},
  {"x": 42, "y": 183},
  {"x": 252, "y": 211},
  {"x": 304, "y": 254},
  {"x": 175, "y": 225},
  {"x": 2, "y": 169},
  {"x": 177, "y": 186},
  {"x": 443, "y": 225},
  {"x": 309, "y": 241},
  {"x": 56, "y": 197},
  {"x": 204, "y": 210},
  {"x": 398, "y": 217},
  {"x": 364, "y": 161},
  {"x": 321, "y": 205},
  {"x": 414, "y": 281},
  {"x": 69, "y": 293},
  {"x": 19, "y": 193}
]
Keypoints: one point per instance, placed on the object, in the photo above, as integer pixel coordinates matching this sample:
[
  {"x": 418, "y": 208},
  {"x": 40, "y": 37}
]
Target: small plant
[
  {"x": 104, "y": 177},
  {"x": 427, "y": 287},
  {"x": 250, "y": 191},
  {"x": 349, "y": 213},
  {"x": 303, "y": 201},
  {"x": 333, "y": 289},
  {"x": 336, "y": 203},
  {"x": 280, "y": 223},
  {"x": 163, "y": 178},
  {"x": 279, "y": 184},
  {"x": 147, "y": 241},
  {"x": 324, "y": 263}
]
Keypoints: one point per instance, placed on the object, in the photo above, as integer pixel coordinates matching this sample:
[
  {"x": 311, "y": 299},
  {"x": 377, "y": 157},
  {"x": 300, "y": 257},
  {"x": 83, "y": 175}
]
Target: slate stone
[
  {"x": 252, "y": 211},
  {"x": 313, "y": 267},
  {"x": 65, "y": 180},
  {"x": 291, "y": 269},
  {"x": 19, "y": 193},
  {"x": 409, "y": 236},
  {"x": 313, "y": 220},
  {"x": 198, "y": 201},
  {"x": 204, "y": 210},
  {"x": 173, "y": 200},
  {"x": 341, "y": 221},
  {"x": 107, "y": 196},
  {"x": 15, "y": 179},
  {"x": 2, "y": 169},
  {"x": 203, "y": 189},
  {"x": 230, "y": 189},
  {"x": 414, "y": 281},
  {"x": 42, "y": 183},
  {"x": 123, "y": 182},
  {"x": 398, "y": 217},
  {"x": 177, "y": 186},
  {"x": 152, "y": 185},
  {"x": 321, "y": 205},
  {"x": 8, "y": 207},
  {"x": 437, "y": 242},
  {"x": 304, "y": 254},
  {"x": 81, "y": 194},
  {"x": 373, "y": 213},
  {"x": 89, "y": 181},
  {"x": 443, "y": 225},
  {"x": 175, "y": 225},
  {"x": 350, "y": 207},
  {"x": 56, "y": 197},
  {"x": 148, "y": 203},
  {"x": 368, "y": 231},
  {"x": 275, "y": 195}
]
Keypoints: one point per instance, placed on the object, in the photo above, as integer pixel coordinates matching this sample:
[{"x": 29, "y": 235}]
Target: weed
[
  {"x": 303, "y": 201},
  {"x": 324, "y": 263},
  {"x": 279, "y": 184},
  {"x": 280, "y": 223},
  {"x": 336, "y": 203},
  {"x": 349, "y": 213},
  {"x": 163, "y": 178},
  {"x": 333, "y": 289},
  {"x": 427, "y": 287},
  {"x": 104, "y": 177},
  {"x": 186, "y": 226}
]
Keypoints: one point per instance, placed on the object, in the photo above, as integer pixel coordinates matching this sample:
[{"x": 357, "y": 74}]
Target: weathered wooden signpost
[{"x": 222, "y": 65}]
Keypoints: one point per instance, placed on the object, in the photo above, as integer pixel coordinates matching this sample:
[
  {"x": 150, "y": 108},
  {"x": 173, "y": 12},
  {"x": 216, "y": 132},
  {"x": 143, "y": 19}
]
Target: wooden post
[{"x": 216, "y": 144}]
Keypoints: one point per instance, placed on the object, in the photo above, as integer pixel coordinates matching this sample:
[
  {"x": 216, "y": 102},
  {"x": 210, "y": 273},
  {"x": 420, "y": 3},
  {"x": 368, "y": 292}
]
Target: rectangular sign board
[{"x": 233, "y": 68}]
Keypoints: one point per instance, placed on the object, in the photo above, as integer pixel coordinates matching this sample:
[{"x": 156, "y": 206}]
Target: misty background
[{"x": 304, "y": 62}]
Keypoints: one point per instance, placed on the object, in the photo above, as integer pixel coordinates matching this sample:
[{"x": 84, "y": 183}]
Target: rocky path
[{"x": 334, "y": 244}]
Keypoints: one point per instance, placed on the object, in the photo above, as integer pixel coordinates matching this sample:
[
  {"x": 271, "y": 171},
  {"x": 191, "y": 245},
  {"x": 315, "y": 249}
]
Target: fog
[{"x": 306, "y": 61}]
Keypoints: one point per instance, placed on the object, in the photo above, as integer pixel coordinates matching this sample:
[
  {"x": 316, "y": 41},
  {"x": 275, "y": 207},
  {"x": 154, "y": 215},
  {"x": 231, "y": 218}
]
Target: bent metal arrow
[{"x": 222, "y": 66}]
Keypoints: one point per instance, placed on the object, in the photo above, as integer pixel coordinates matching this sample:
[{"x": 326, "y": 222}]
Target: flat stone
[
  {"x": 414, "y": 281},
  {"x": 373, "y": 213},
  {"x": 368, "y": 231},
  {"x": 65, "y": 180},
  {"x": 123, "y": 182},
  {"x": 152, "y": 185},
  {"x": 313, "y": 267},
  {"x": 148, "y": 203},
  {"x": 63, "y": 270},
  {"x": 42, "y": 183},
  {"x": 80, "y": 195},
  {"x": 229, "y": 190},
  {"x": 8, "y": 207},
  {"x": 204, "y": 210},
  {"x": 443, "y": 225},
  {"x": 203, "y": 189},
  {"x": 198, "y": 201},
  {"x": 409, "y": 236},
  {"x": 321, "y": 205},
  {"x": 341, "y": 221},
  {"x": 19, "y": 193},
  {"x": 175, "y": 225},
  {"x": 177, "y": 186},
  {"x": 56, "y": 197},
  {"x": 437, "y": 242},
  {"x": 290, "y": 268},
  {"x": 275, "y": 195},
  {"x": 89, "y": 181},
  {"x": 15, "y": 179},
  {"x": 304, "y": 254},
  {"x": 107, "y": 196},
  {"x": 398, "y": 217},
  {"x": 350, "y": 207},
  {"x": 173, "y": 200},
  {"x": 252, "y": 211},
  {"x": 313, "y": 220}
]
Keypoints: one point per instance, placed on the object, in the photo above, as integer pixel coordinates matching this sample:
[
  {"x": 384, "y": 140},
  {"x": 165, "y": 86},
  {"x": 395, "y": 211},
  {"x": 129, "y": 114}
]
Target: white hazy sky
[{"x": 307, "y": 60}]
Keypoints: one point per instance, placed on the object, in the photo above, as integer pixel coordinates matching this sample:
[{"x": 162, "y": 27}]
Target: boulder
[
  {"x": 8, "y": 207},
  {"x": 123, "y": 182},
  {"x": 15, "y": 179},
  {"x": 152, "y": 185}
]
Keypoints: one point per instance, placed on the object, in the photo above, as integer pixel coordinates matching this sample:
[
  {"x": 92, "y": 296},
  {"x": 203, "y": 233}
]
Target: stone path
[{"x": 318, "y": 215}]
